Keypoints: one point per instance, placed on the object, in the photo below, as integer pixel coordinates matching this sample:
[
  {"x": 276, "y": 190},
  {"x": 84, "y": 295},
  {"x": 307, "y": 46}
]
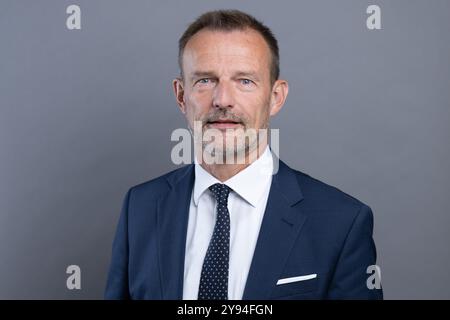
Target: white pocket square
[{"x": 297, "y": 279}]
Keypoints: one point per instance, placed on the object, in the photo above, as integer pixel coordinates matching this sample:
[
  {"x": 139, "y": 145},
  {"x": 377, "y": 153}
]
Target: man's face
[{"x": 226, "y": 83}]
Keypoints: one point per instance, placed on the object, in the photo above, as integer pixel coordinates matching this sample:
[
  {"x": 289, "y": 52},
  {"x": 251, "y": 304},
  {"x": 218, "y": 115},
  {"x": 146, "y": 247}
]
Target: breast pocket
[{"x": 296, "y": 285}]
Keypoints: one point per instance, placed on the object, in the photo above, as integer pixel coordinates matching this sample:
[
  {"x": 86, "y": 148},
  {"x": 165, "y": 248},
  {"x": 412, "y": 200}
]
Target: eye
[
  {"x": 246, "y": 82},
  {"x": 204, "y": 81}
]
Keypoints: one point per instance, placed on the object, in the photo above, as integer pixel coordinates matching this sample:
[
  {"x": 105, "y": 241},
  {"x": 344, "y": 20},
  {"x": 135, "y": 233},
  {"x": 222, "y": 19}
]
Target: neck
[{"x": 225, "y": 171}]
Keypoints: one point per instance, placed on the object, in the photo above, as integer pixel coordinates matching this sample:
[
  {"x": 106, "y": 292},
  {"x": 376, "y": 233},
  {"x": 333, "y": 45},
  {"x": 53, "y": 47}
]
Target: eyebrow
[
  {"x": 247, "y": 74},
  {"x": 211, "y": 74},
  {"x": 202, "y": 74}
]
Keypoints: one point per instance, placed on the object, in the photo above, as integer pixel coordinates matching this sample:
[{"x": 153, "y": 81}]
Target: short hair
[{"x": 231, "y": 20}]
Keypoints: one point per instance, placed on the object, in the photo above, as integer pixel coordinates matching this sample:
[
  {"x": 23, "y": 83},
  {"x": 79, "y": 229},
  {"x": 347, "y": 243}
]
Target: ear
[
  {"x": 279, "y": 94},
  {"x": 178, "y": 89}
]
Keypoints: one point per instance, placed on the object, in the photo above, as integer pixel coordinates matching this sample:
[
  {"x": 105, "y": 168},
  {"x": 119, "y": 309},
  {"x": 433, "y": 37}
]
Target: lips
[{"x": 223, "y": 123}]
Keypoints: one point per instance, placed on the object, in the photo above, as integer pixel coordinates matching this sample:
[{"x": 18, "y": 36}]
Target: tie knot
[{"x": 220, "y": 192}]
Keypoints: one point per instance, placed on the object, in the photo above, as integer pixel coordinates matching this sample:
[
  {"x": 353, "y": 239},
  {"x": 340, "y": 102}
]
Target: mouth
[{"x": 223, "y": 124}]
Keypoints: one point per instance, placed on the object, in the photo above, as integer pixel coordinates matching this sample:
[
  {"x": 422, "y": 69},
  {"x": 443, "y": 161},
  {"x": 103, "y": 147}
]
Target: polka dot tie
[{"x": 214, "y": 276}]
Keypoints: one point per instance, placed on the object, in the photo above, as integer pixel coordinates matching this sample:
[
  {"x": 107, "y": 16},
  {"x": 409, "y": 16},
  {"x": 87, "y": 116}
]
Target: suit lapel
[
  {"x": 282, "y": 222},
  {"x": 172, "y": 215},
  {"x": 280, "y": 227}
]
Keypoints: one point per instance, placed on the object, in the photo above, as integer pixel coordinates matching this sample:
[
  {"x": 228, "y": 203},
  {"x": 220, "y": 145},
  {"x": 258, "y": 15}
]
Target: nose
[{"x": 223, "y": 96}]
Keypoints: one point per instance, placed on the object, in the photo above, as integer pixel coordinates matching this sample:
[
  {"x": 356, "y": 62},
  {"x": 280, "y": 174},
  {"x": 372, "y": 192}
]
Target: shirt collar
[{"x": 249, "y": 183}]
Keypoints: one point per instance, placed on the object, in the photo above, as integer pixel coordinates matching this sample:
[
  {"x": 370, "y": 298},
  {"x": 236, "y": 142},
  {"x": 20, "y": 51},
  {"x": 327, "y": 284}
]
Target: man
[{"x": 227, "y": 229}]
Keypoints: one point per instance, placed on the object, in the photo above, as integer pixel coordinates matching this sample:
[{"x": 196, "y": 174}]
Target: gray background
[{"x": 85, "y": 114}]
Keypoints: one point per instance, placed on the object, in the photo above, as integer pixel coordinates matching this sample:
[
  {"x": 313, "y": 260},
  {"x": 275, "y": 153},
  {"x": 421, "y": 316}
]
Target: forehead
[{"x": 211, "y": 49}]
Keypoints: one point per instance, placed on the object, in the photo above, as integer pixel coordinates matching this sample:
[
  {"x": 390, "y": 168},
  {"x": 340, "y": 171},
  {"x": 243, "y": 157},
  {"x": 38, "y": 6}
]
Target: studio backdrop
[{"x": 87, "y": 111}]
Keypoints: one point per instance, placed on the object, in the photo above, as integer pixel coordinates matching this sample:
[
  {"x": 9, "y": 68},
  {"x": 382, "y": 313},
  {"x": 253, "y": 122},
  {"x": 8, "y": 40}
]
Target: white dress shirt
[{"x": 246, "y": 204}]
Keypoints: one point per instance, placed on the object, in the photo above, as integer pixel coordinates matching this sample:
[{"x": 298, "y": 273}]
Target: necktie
[{"x": 214, "y": 276}]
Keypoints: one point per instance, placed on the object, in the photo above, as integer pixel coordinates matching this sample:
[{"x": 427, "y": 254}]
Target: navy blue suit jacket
[{"x": 308, "y": 227}]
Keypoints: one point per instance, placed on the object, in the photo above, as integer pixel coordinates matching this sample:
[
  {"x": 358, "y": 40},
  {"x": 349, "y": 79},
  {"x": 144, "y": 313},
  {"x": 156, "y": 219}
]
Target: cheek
[
  {"x": 258, "y": 111},
  {"x": 198, "y": 104}
]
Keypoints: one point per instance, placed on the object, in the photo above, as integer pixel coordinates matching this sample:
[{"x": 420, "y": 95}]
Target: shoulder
[
  {"x": 327, "y": 201},
  {"x": 154, "y": 188}
]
